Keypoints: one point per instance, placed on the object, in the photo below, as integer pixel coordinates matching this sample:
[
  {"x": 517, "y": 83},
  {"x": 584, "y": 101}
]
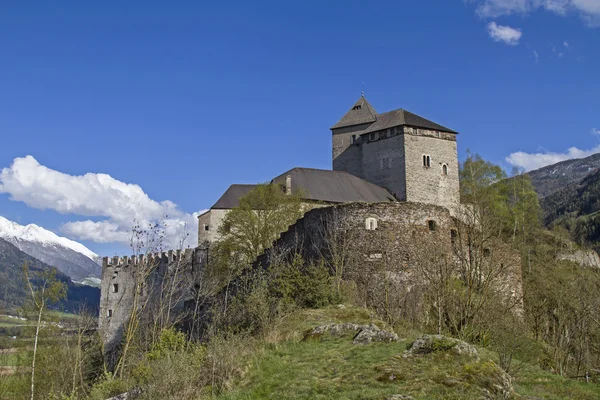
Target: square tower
[{"x": 412, "y": 157}]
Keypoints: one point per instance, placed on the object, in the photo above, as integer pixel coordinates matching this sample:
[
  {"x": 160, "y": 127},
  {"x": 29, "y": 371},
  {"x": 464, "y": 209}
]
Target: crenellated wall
[{"x": 130, "y": 278}]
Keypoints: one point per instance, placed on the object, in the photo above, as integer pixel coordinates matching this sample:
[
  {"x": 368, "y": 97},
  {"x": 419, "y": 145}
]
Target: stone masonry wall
[
  {"x": 118, "y": 287},
  {"x": 383, "y": 163},
  {"x": 345, "y": 155},
  {"x": 428, "y": 184}
]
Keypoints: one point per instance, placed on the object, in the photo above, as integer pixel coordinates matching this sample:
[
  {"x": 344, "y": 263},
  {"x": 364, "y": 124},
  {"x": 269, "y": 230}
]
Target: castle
[
  {"x": 388, "y": 157},
  {"x": 394, "y": 185}
]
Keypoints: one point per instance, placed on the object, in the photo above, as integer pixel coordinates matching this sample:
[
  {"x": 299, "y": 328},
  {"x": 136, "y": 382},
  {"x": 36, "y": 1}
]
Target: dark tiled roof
[
  {"x": 366, "y": 114},
  {"x": 333, "y": 186},
  {"x": 360, "y": 113},
  {"x": 231, "y": 197},
  {"x": 403, "y": 117}
]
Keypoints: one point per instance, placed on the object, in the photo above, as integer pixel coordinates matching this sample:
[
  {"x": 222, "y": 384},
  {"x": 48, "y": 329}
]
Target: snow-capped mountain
[{"x": 68, "y": 256}]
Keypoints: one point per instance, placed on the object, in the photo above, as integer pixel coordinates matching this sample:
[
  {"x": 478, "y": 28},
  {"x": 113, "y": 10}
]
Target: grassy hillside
[{"x": 334, "y": 368}]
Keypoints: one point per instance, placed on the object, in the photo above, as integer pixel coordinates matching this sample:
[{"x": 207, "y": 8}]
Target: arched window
[
  {"x": 370, "y": 224},
  {"x": 444, "y": 169},
  {"x": 428, "y": 161},
  {"x": 424, "y": 160}
]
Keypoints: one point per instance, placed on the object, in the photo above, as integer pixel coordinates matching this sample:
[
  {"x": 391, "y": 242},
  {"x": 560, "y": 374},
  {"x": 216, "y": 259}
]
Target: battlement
[{"x": 169, "y": 257}]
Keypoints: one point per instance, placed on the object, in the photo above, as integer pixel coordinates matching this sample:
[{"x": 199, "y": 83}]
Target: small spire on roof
[{"x": 362, "y": 92}]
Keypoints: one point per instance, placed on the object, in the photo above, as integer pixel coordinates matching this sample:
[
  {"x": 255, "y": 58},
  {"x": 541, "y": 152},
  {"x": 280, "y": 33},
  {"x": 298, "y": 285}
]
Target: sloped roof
[
  {"x": 402, "y": 117},
  {"x": 231, "y": 197},
  {"x": 333, "y": 186},
  {"x": 361, "y": 113}
]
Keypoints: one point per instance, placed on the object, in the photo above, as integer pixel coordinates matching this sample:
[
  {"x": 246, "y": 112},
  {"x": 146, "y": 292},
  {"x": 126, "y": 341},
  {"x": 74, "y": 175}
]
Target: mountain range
[
  {"x": 13, "y": 290},
  {"x": 70, "y": 257}
]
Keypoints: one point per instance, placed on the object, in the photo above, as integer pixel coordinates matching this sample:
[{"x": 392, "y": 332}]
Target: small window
[
  {"x": 206, "y": 227},
  {"x": 487, "y": 252},
  {"x": 353, "y": 139},
  {"x": 426, "y": 161},
  {"x": 115, "y": 274},
  {"x": 358, "y": 107},
  {"x": 453, "y": 235},
  {"x": 109, "y": 313},
  {"x": 432, "y": 225},
  {"x": 115, "y": 288},
  {"x": 444, "y": 169},
  {"x": 370, "y": 224}
]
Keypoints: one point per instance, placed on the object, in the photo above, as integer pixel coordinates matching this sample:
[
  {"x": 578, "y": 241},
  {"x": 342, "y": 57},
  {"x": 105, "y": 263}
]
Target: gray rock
[
  {"x": 365, "y": 333},
  {"x": 432, "y": 343}
]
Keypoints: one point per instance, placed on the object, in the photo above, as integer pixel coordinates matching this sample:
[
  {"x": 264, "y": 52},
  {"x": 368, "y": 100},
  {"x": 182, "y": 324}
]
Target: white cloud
[
  {"x": 566, "y": 44},
  {"x": 589, "y": 10},
  {"x": 537, "y": 57},
  {"x": 530, "y": 161},
  {"x": 595, "y": 131},
  {"x": 92, "y": 195},
  {"x": 506, "y": 34}
]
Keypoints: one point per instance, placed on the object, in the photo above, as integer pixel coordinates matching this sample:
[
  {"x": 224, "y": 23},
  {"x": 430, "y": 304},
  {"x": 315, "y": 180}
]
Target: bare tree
[{"x": 45, "y": 289}]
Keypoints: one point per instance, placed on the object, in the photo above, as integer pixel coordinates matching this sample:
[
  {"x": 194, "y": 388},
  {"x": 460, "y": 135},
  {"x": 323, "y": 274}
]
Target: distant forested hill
[
  {"x": 569, "y": 194},
  {"x": 12, "y": 284}
]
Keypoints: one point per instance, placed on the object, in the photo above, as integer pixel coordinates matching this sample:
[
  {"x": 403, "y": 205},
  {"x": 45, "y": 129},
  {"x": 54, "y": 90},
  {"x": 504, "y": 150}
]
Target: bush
[{"x": 307, "y": 286}]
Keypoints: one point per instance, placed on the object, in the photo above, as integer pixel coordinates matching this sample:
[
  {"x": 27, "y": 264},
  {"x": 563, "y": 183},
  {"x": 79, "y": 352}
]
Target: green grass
[{"x": 334, "y": 368}]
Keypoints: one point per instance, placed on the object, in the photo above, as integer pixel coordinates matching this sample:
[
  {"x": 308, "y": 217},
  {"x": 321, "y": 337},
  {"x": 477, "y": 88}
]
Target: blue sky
[{"x": 174, "y": 101}]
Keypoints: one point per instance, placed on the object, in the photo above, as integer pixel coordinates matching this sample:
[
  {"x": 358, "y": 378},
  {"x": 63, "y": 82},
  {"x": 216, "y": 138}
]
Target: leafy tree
[{"x": 262, "y": 215}]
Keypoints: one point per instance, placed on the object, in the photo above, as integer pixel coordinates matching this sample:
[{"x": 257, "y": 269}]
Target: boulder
[
  {"x": 433, "y": 343},
  {"x": 364, "y": 333}
]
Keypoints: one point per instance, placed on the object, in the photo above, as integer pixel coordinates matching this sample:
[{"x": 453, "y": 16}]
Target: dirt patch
[
  {"x": 6, "y": 371},
  {"x": 9, "y": 351}
]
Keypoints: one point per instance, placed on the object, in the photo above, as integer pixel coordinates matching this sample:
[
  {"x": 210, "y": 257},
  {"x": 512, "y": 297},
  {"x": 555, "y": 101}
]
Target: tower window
[
  {"x": 358, "y": 107},
  {"x": 453, "y": 235},
  {"x": 109, "y": 313},
  {"x": 426, "y": 161},
  {"x": 353, "y": 139},
  {"x": 116, "y": 288},
  {"x": 444, "y": 169},
  {"x": 206, "y": 227}
]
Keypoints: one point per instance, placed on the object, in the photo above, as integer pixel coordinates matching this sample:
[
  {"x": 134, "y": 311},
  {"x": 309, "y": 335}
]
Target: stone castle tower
[{"x": 412, "y": 157}]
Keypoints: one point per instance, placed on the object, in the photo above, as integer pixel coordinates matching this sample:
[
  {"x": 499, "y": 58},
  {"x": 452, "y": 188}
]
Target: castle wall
[
  {"x": 213, "y": 219},
  {"x": 428, "y": 184},
  {"x": 347, "y": 156},
  {"x": 383, "y": 163},
  {"x": 117, "y": 302}
]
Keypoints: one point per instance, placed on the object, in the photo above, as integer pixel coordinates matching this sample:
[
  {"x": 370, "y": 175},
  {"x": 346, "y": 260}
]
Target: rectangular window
[
  {"x": 432, "y": 225},
  {"x": 109, "y": 313},
  {"x": 206, "y": 228},
  {"x": 353, "y": 139},
  {"x": 115, "y": 288}
]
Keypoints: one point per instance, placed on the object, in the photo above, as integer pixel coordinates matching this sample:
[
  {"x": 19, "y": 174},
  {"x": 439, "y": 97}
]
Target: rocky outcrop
[
  {"x": 365, "y": 334},
  {"x": 434, "y": 343},
  {"x": 585, "y": 258}
]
